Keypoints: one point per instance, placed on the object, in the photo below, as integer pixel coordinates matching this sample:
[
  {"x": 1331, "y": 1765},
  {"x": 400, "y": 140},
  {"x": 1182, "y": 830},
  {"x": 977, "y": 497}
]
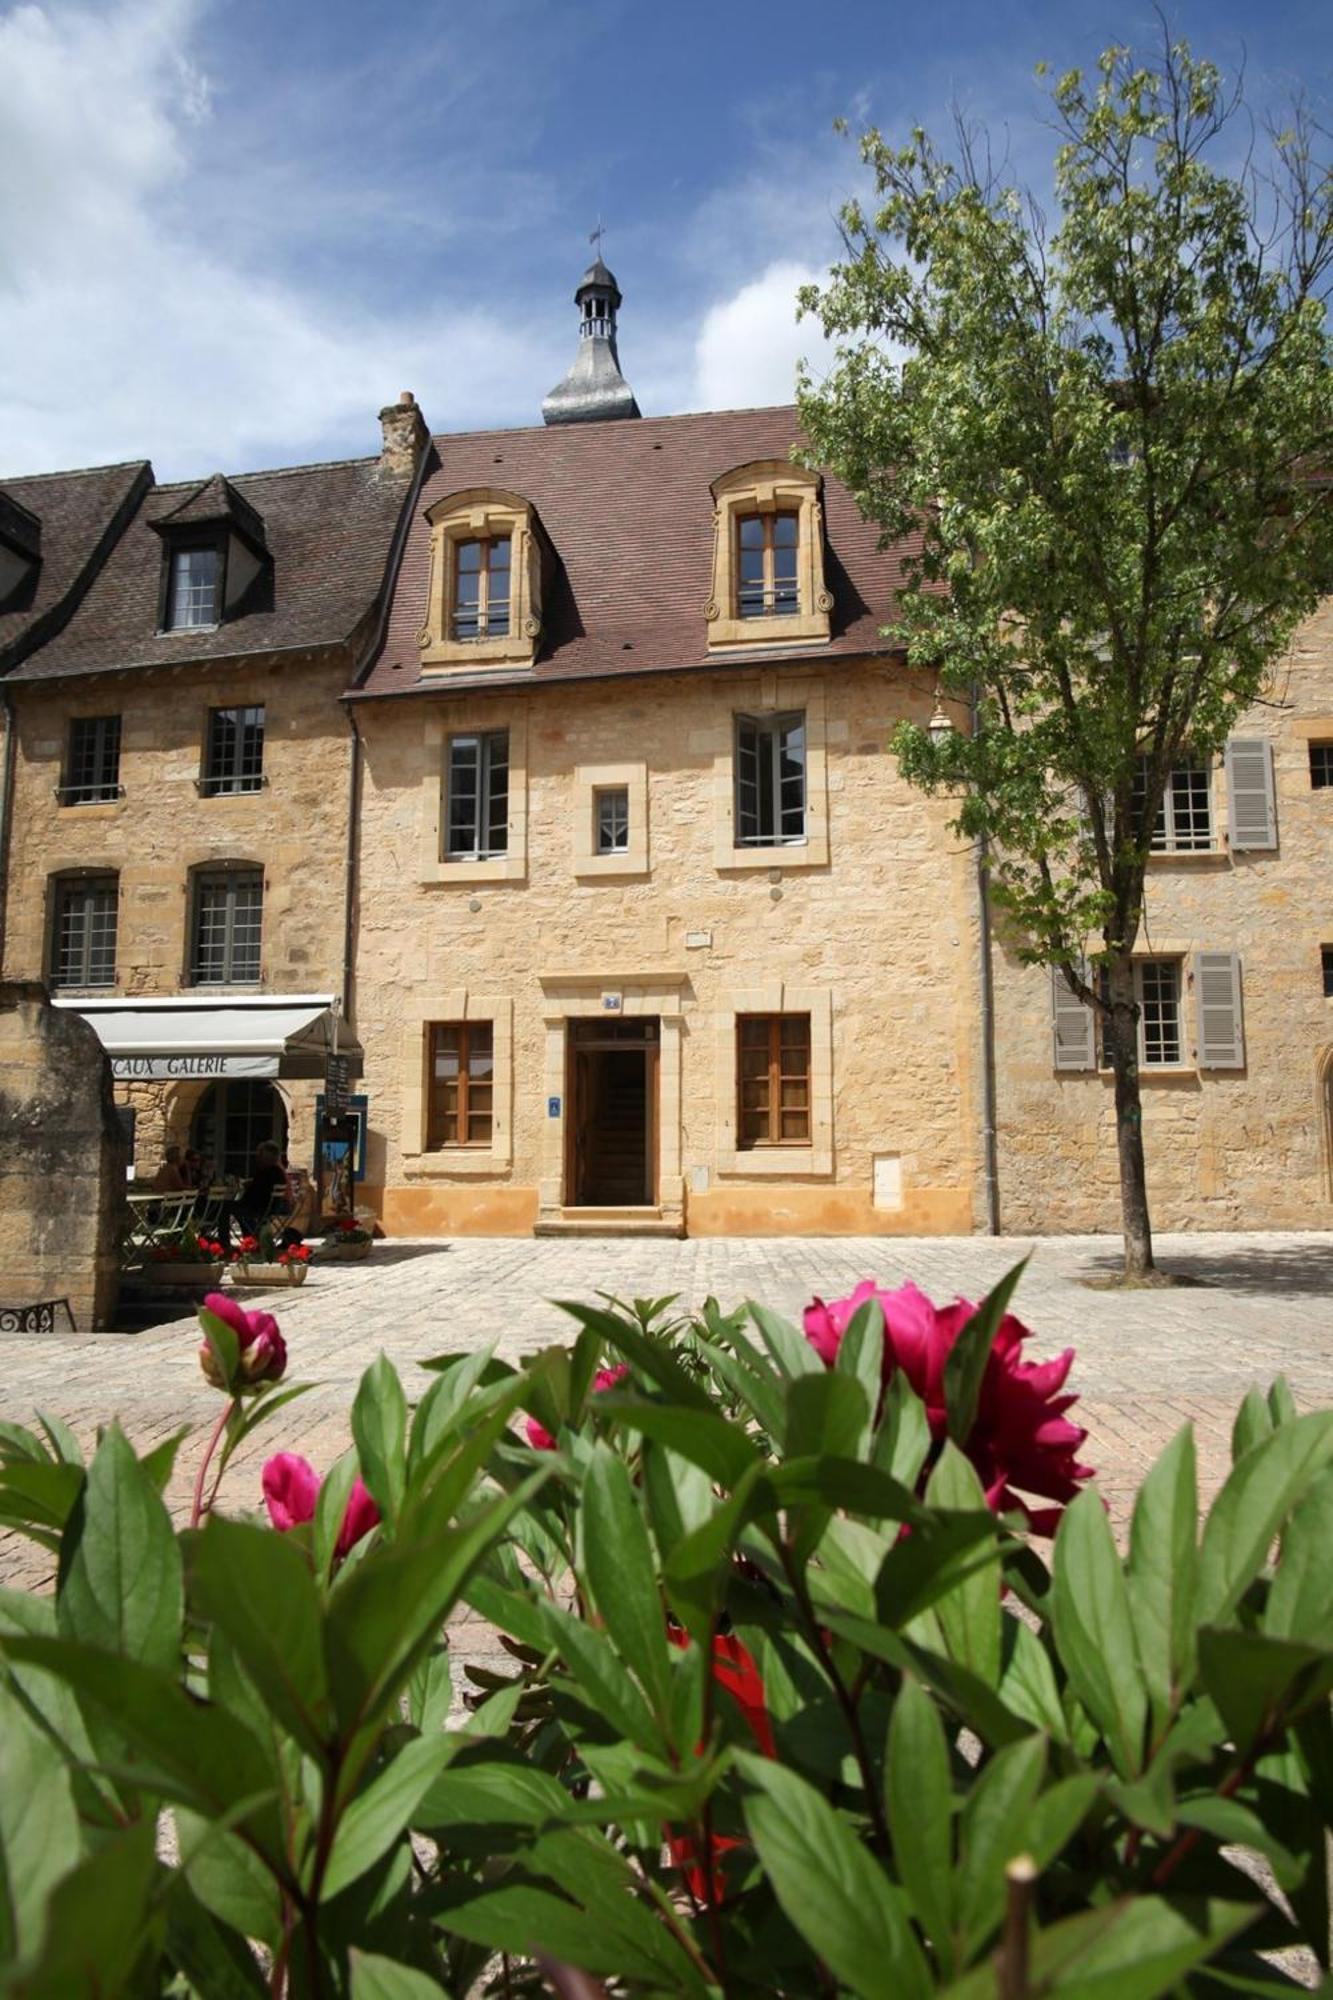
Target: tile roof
[
  {"x": 627, "y": 509},
  {"x": 77, "y": 513},
  {"x": 328, "y": 529}
]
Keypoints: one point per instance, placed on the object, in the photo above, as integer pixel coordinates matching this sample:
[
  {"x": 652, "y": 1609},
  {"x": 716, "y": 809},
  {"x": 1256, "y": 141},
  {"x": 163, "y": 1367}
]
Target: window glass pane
[
  {"x": 478, "y": 796},
  {"x": 194, "y": 588},
  {"x": 770, "y": 780},
  {"x": 234, "y": 760},
  {"x": 85, "y": 933},
  {"x": 469, "y": 558},
  {"x": 1321, "y": 765},
  {"x": 785, "y": 532},
  {"x": 92, "y": 767},
  {"x": 613, "y": 821},
  {"x": 499, "y": 553},
  {"x": 1160, "y": 1004},
  {"x": 750, "y": 529},
  {"x": 228, "y": 928},
  {"x": 1326, "y": 958}
]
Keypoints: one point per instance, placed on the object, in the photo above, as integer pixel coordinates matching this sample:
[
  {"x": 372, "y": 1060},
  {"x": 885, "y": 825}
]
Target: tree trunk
[{"x": 1122, "y": 1042}]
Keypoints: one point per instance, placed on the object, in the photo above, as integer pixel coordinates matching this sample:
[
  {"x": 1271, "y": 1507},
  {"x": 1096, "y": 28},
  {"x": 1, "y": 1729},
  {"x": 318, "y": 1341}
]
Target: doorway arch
[
  {"x": 1324, "y": 1073},
  {"x": 232, "y": 1118}
]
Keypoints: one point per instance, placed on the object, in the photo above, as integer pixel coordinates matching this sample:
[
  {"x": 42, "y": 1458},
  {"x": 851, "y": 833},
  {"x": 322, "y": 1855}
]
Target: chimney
[{"x": 405, "y": 436}]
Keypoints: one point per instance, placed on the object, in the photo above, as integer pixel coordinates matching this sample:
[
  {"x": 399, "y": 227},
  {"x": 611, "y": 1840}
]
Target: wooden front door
[{"x": 612, "y": 1160}]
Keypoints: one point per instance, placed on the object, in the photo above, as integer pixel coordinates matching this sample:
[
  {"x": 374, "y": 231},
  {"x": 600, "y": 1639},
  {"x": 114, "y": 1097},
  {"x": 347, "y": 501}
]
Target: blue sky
[{"x": 231, "y": 229}]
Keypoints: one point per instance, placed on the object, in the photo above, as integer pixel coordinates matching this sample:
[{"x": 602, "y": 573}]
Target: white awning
[{"x": 286, "y": 1035}]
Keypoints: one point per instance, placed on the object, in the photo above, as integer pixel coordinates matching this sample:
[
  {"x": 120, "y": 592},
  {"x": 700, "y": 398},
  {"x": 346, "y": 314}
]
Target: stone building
[
  {"x": 1235, "y": 982},
  {"x": 650, "y": 933},
  {"x": 181, "y": 785}
]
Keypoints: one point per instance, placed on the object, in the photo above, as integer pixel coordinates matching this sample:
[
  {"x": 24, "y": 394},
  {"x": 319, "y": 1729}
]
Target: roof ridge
[
  {"x": 72, "y": 472},
  {"x": 265, "y": 472},
  {"x": 643, "y": 423}
]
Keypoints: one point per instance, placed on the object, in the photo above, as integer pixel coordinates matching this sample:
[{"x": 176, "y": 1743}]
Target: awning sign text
[{"x": 155, "y": 1068}]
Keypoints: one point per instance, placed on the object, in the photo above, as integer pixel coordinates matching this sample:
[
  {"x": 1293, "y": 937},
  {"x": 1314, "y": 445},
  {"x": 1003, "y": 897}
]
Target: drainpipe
[
  {"x": 990, "y": 1165},
  {"x": 349, "y": 870},
  {"x": 6, "y": 807}
]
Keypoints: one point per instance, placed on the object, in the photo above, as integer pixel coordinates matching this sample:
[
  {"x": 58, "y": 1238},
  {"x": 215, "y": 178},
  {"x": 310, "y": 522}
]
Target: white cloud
[{"x": 749, "y": 344}]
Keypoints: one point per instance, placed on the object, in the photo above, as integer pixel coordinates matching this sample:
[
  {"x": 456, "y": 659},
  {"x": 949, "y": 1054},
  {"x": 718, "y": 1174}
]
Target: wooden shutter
[
  {"x": 1217, "y": 1004},
  {"x": 1073, "y": 1025},
  {"x": 1251, "y": 812}
]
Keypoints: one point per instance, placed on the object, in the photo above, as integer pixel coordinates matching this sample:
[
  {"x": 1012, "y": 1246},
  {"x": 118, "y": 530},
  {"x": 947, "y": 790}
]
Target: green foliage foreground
[{"x": 789, "y": 1710}]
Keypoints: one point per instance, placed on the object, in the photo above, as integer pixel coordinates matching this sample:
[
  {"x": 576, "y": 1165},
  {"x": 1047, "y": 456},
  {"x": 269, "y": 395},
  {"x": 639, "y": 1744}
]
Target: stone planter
[
  {"x": 333, "y": 1252},
  {"x": 203, "y": 1277},
  {"x": 267, "y": 1274}
]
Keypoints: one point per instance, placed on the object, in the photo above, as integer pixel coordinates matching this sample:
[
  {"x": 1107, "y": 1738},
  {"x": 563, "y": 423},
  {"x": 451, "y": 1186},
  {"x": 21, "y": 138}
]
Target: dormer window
[
  {"x": 192, "y": 588},
  {"x": 214, "y": 557},
  {"x": 481, "y": 589},
  {"x": 484, "y": 590},
  {"x": 768, "y": 558},
  {"x": 766, "y": 579},
  {"x": 20, "y": 554}
]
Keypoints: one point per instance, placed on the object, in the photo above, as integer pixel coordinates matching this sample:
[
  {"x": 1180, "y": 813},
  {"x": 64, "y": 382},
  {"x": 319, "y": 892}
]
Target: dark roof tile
[
  {"x": 627, "y": 509},
  {"x": 77, "y": 514}
]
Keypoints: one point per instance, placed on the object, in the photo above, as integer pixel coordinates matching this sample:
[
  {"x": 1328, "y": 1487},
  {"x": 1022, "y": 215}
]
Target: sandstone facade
[
  {"x": 1249, "y": 1147},
  {"x": 870, "y": 929}
]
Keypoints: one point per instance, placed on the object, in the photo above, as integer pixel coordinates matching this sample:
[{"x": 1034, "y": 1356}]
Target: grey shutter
[
  {"x": 1217, "y": 1006},
  {"x": 1073, "y": 1025},
  {"x": 1251, "y": 811}
]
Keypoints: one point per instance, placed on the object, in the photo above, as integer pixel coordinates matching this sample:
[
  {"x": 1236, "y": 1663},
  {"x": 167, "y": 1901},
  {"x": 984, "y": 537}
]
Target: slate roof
[
  {"x": 328, "y": 529},
  {"x": 78, "y": 515},
  {"x": 627, "y": 509}
]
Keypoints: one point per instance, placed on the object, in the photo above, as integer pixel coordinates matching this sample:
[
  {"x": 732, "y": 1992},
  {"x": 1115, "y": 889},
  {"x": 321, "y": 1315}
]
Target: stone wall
[
  {"x": 62, "y": 1163},
  {"x": 871, "y": 928},
  {"x": 1226, "y": 1149},
  {"x": 163, "y": 828}
]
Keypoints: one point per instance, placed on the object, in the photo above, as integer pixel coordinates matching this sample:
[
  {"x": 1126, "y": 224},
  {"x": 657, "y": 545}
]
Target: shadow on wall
[{"x": 1258, "y": 1268}]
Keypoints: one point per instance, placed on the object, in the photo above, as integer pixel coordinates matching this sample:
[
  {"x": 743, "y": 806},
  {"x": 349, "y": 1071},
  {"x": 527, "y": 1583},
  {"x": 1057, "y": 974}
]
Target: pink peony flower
[
  {"x": 263, "y": 1351},
  {"x": 1021, "y": 1441},
  {"x": 291, "y": 1489},
  {"x": 606, "y": 1378}
]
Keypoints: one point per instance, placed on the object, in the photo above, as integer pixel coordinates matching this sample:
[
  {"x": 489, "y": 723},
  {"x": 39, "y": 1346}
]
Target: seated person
[
  {"x": 170, "y": 1176},
  {"x": 252, "y": 1205}
]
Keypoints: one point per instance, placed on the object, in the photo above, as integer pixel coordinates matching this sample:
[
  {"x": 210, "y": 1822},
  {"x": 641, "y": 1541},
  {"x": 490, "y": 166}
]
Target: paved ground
[{"x": 1147, "y": 1361}]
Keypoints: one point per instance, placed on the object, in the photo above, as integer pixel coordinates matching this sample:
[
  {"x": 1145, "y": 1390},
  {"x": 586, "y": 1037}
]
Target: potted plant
[
  {"x": 264, "y": 1260},
  {"x": 346, "y": 1241},
  {"x": 187, "y": 1256}
]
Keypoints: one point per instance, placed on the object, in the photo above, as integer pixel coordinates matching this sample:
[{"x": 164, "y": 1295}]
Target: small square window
[
  {"x": 772, "y": 1080},
  {"x": 1321, "y": 765},
  {"x": 1326, "y": 960},
  {"x": 193, "y": 584},
  {"x": 461, "y": 1084},
  {"x": 612, "y": 808},
  {"x": 477, "y": 803},
  {"x": 84, "y": 932},
  {"x": 234, "y": 753},
  {"x": 92, "y": 761}
]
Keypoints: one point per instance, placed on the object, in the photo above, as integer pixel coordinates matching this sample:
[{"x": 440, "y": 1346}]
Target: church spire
[{"x": 594, "y": 390}]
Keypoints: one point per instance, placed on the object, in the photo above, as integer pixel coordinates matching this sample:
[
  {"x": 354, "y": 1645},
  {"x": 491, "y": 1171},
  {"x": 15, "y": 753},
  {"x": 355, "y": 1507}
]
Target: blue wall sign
[{"x": 553, "y": 1107}]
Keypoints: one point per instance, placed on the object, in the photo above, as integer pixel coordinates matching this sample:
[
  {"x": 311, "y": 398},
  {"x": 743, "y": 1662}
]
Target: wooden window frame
[
  {"x": 768, "y": 487},
  {"x": 769, "y": 604},
  {"x": 466, "y": 1032},
  {"x": 484, "y": 832},
  {"x": 223, "y": 778},
  {"x": 229, "y": 879},
  {"x": 65, "y": 888},
  {"x": 487, "y": 603},
  {"x": 486, "y": 515},
  {"x": 773, "y": 1111},
  {"x": 769, "y": 731},
  {"x": 176, "y": 548}
]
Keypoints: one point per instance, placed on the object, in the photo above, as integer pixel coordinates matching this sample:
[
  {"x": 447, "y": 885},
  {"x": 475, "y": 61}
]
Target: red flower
[
  {"x": 298, "y": 1253},
  {"x": 1021, "y": 1441},
  {"x": 606, "y": 1378},
  {"x": 733, "y": 1669},
  {"x": 262, "y": 1349},
  {"x": 291, "y": 1490},
  {"x": 246, "y": 1245}
]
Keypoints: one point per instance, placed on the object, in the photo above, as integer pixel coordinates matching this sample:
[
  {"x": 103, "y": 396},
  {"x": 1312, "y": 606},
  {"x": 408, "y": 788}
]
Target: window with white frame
[
  {"x": 611, "y": 809},
  {"x": 1157, "y": 992},
  {"x": 1184, "y": 822},
  {"x": 83, "y": 944},
  {"x": 227, "y": 928},
  {"x": 194, "y": 579},
  {"x": 770, "y": 780},
  {"x": 477, "y": 796}
]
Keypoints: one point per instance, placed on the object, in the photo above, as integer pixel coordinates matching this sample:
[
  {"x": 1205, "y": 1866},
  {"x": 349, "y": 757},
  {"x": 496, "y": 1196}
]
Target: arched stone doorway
[
  {"x": 1324, "y": 1072},
  {"x": 231, "y": 1119}
]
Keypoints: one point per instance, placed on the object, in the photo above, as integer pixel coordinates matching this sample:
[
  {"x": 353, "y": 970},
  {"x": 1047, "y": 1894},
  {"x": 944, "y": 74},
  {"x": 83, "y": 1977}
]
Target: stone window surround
[
  {"x": 773, "y": 694},
  {"x": 589, "y": 779},
  {"x": 482, "y": 513},
  {"x": 768, "y": 486},
  {"x": 775, "y": 1162},
  {"x": 456, "y": 1162},
  {"x": 570, "y": 996},
  {"x": 466, "y": 719}
]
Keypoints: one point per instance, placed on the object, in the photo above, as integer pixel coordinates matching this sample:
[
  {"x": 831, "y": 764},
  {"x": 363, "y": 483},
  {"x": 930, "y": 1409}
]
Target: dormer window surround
[
  {"x": 768, "y": 558},
  {"x": 213, "y": 551},
  {"x": 484, "y": 588},
  {"x": 20, "y": 553}
]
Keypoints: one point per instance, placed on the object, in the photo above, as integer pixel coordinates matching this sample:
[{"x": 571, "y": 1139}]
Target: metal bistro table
[{"x": 154, "y": 1218}]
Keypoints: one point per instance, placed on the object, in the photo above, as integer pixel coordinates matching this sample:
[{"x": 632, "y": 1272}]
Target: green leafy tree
[{"x": 1111, "y": 437}]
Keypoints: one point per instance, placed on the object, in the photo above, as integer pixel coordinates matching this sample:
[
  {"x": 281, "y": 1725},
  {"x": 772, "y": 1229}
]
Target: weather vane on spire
[{"x": 595, "y": 236}]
